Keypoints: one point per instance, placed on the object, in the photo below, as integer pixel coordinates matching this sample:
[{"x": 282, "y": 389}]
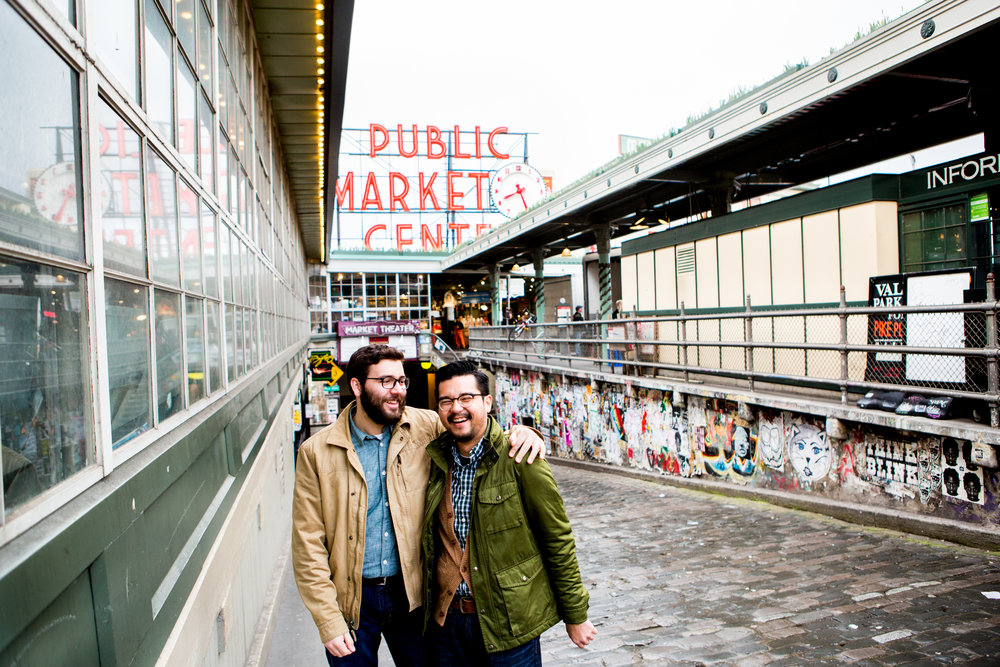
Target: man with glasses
[
  {"x": 356, "y": 511},
  {"x": 499, "y": 557}
]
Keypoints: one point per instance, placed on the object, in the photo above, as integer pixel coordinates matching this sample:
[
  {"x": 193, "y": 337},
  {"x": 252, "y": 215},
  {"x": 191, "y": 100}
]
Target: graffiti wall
[{"x": 692, "y": 436}]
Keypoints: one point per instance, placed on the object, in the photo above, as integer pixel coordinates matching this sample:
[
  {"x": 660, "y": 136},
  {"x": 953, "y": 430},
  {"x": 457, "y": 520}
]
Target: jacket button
[
  {"x": 440, "y": 614},
  {"x": 475, "y": 569},
  {"x": 524, "y": 578},
  {"x": 350, "y": 537},
  {"x": 491, "y": 647},
  {"x": 498, "y": 497}
]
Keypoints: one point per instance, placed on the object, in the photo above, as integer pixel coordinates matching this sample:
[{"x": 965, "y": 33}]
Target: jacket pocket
[
  {"x": 500, "y": 507},
  {"x": 526, "y": 595}
]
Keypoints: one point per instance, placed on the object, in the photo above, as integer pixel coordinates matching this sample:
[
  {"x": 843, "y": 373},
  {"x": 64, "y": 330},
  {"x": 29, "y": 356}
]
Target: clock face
[
  {"x": 55, "y": 194},
  {"x": 515, "y": 187}
]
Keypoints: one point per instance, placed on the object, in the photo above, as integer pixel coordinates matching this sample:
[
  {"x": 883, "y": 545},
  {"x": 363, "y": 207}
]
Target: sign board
[
  {"x": 407, "y": 344},
  {"x": 378, "y": 328},
  {"x": 322, "y": 366}
]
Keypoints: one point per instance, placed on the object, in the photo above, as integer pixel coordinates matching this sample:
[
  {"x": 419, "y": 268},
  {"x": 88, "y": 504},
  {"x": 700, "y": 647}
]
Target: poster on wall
[
  {"x": 887, "y": 328},
  {"x": 960, "y": 478},
  {"x": 942, "y": 330}
]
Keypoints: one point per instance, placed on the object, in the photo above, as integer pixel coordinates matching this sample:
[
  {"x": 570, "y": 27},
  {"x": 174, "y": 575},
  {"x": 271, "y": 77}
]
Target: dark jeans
[
  {"x": 385, "y": 611},
  {"x": 460, "y": 644}
]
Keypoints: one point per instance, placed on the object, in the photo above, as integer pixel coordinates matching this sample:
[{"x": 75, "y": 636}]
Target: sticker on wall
[
  {"x": 960, "y": 478},
  {"x": 771, "y": 439},
  {"x": 809, "y": 452},
  {"x": 889, "y": 461}
]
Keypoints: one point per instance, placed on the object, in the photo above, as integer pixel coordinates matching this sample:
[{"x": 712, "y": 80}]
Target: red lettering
[
  {"x": 155, "y": 195},
  {"x": 480, "y": 228},
  {"x": 372, "y": 148},
  {"x": 489, "y": 144},
  {"x": 368, "y": 235},
  {"x": 426, "y": 191},
  {"x": 347, "y": 190},
  {"x": 371, "y": 186},
  {"x": 479, "y": 147},
  {"x": 458, "y": 232},
  {"x": 400, "y": 241},
  {"x": 399, "y": 141},
  {"x": 393, "y": 197},
  {"x": 458, "y": 147},
  {"x": 452, "y": 204},
  {"x": 481, "y": 177},
  {"x": 124, "y": 177},
  {"x": 426, "y": 238},
  {"x": 189, "y": 244},
  {"x": 105, "y": 139},
  {"x": 189, "y": 202},
  {"x": 434, "y": 139}
]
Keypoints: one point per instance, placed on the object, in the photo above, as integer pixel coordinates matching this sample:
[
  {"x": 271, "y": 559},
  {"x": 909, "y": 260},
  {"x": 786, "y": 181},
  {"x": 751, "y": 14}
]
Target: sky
[{"x": 579, "y": 73}]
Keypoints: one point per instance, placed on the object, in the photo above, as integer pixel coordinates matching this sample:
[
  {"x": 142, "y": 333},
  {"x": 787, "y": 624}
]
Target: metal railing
[{"x": 940, "y": 350}]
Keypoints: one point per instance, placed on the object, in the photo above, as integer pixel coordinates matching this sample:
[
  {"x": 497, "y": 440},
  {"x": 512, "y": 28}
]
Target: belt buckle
[{"x": 464, "y": 605}]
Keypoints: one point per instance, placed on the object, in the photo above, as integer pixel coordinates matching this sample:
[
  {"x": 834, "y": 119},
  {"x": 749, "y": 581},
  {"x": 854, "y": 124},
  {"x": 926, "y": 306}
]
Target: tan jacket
[{"x": 329, "y": 510}]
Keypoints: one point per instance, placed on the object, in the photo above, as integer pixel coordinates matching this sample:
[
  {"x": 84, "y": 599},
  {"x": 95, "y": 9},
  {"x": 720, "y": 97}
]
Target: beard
[{"x": 374, "y": 407}]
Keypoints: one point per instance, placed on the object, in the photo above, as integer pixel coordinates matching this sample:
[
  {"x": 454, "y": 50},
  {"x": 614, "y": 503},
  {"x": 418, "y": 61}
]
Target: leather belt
[
  {"x": 380, "y": 581},
  {"x": 463, "y": 605}
]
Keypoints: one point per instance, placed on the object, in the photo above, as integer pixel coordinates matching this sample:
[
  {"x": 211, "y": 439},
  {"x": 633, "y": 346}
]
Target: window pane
[
  {"x": 214, "y": 346},
  {"x": 128, "y": 359},
  {"x": 187, "y": 133},
  {"x": 911, "y": 222},
  {"x": 159, "y": 72},
  {"x": 205, "y": 50},
  {"x": 185, "y": 26},
  {"x": 208, "y": 249},
  {"x": 190, "y": 239},
  {"x": 231, "y": 340},
  {"x": 121, "y": 219},
  {"x": 42, "y": 395},
  {"x": 115, "y": 35},
  {"x": 39, "y": 178},
  {"x": 912, "y": 249},
  {"x": 168, "y": 353},
  {"x": 206, "y": 150},
  {"x": 223, "y": 171},
  {"x": 195, "y": 349},
  {"x": 955, "y": 243},
  {"x": 162, "y": 220}
]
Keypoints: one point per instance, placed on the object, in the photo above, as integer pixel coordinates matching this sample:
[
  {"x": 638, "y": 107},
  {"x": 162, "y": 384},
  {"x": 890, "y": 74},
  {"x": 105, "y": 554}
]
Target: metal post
[
  {"x": 684, "y": 347},
  {"x": 748, "y": 349},
  {"x": 843, "y": 343},
  {"x": 993, "y": 382}
]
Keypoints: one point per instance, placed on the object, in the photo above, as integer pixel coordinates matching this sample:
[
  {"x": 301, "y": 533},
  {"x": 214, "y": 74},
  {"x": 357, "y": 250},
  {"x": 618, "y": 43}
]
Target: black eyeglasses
[
  {"x": 465, "y": 400},
  {"x": 388, "y": 382}
]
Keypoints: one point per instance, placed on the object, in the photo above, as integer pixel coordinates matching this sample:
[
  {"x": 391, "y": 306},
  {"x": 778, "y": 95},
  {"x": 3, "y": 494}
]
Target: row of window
[{"x": 199, "y": 286}]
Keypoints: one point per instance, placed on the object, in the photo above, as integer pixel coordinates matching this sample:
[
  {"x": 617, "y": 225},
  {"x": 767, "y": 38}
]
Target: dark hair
[
  {"x": 366, "y": 357},
  {"x": 463, "y": 367}
]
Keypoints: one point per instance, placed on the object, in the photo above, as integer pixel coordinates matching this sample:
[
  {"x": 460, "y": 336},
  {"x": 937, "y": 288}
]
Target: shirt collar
[
  {"x": 360, "y": 436},
  {"x": 474, "y": 455}
]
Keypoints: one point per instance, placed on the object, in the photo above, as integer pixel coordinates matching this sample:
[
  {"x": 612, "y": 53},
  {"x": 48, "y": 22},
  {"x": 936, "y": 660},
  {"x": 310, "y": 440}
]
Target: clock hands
[
  {"x": 69, "y": 192},
  {"x": 518, "y": 190}
]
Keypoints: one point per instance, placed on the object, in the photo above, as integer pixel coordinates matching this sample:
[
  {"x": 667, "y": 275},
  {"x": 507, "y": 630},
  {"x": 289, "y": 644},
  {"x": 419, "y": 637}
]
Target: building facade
[{"x": 152, "y": 281}]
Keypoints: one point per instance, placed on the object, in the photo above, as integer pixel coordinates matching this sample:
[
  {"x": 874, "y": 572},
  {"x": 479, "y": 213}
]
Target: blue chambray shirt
[
  {"x": 463, "y": 477},
  {"x": 381, "y": 552}
]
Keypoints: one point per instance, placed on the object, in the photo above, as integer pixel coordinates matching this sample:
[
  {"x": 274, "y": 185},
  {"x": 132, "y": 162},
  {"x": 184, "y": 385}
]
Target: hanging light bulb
[{"x": 566, "y": 252}]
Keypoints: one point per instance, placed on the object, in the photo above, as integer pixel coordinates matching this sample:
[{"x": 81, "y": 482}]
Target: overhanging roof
[
  {"x": 924, "y": 79},
  {"x": 286, "y": 33}
]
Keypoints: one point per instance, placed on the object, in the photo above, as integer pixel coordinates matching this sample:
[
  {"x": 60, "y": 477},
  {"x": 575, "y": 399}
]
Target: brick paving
[{"x": 682, "y": 577}]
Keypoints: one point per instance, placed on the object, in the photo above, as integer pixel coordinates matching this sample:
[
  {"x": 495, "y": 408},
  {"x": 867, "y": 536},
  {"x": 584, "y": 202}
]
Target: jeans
[
  {"x": 459, "y": 643},
  {"x": 385, "y": 611}
]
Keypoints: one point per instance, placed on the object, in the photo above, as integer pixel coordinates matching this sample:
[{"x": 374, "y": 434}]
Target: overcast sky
[{"x": 580, "y": 72}]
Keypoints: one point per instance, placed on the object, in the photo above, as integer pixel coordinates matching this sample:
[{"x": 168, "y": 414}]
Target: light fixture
[
  {"x": 566, "y": 252},
  {"x": 639, "y": 224},
  {"x": 515, "y": 267}
]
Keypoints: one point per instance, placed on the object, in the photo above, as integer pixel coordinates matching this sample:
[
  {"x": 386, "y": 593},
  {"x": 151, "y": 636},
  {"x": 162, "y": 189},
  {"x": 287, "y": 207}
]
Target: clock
[
  {"x": 55, "y": 194},
  {"x": 515, "y": 187}
]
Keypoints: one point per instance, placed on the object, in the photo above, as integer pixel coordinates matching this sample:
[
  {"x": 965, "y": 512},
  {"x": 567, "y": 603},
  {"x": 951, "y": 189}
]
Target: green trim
[{"x": 874, "y": 187}]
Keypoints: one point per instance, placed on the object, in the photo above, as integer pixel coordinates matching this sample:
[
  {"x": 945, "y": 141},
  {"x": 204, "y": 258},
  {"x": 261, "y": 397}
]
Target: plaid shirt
[{"x": 463, "y": 476}]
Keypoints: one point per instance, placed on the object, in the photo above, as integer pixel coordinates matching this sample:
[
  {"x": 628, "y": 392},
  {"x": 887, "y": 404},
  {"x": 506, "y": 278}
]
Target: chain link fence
[{"x": 935, "y": 350}]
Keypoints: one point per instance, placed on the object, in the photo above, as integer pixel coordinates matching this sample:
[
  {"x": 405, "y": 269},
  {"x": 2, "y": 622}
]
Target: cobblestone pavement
[{"x": 681, "y": 577}]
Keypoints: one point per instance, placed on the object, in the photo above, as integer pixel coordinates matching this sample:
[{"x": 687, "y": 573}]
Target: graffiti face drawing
[
  {"x": 771, "y": 450},
  {"x": 809, "y": 452},
  {"x": 741, "y": 442}
]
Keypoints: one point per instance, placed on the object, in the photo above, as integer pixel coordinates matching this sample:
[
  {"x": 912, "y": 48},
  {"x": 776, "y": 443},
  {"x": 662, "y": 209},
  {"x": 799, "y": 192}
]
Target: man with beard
[{"x": 356, "y": 512}]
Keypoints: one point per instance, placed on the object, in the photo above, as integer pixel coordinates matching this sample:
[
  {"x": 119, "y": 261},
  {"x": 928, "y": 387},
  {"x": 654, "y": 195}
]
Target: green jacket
[{"x": 525, "y": 577}]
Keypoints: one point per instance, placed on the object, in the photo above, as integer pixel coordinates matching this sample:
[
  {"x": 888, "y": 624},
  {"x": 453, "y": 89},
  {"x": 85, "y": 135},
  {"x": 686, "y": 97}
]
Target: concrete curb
[
  {"x": 257, "y": 653},
  {"x": 865, "y": 515}
]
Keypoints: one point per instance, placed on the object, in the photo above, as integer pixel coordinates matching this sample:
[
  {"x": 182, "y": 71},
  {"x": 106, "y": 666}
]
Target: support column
[
  {"x": 495, "y": 301},
  {"x": 538, "y": 258},
  {"x": 603, "y": 235}
]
